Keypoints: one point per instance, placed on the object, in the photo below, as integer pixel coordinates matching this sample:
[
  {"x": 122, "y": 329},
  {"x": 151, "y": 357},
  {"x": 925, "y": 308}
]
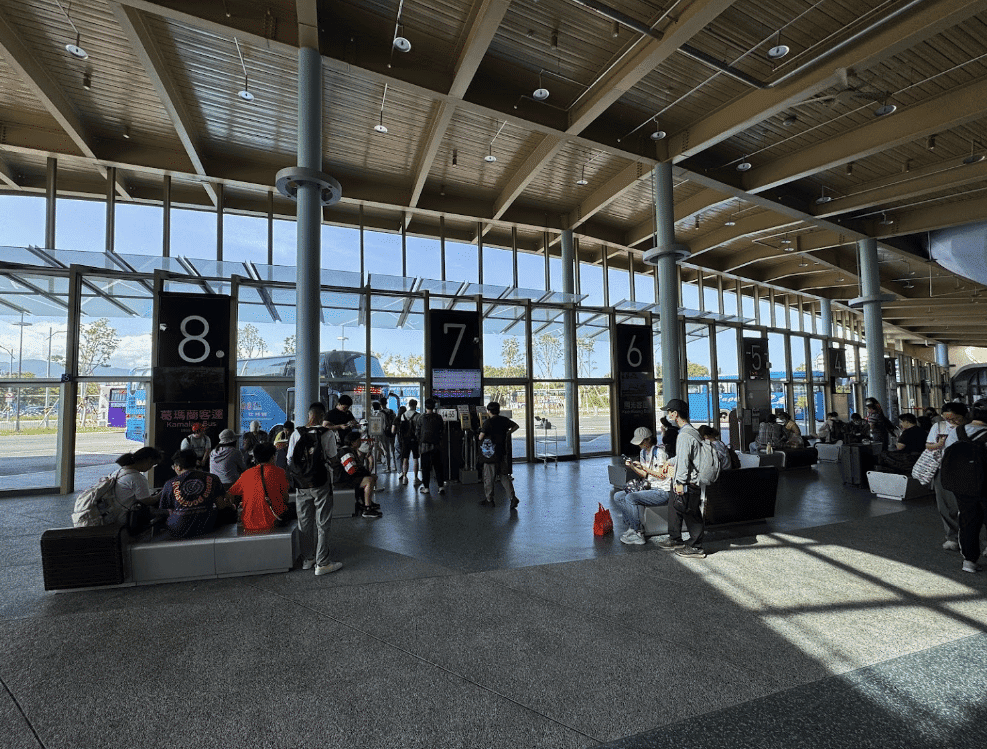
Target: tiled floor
[{"x": 840, "y": 623}]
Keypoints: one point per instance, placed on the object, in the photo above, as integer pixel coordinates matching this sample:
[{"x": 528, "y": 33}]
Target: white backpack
[{"x": 93, "y": 505}]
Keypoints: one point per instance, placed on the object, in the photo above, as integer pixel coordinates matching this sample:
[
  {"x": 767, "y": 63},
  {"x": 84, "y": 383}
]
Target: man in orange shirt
[{"x": 263, "y": 489}]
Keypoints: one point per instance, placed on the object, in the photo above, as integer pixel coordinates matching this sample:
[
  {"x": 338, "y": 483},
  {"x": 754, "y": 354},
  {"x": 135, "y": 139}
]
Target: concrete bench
[
  {"x": 829, "y": 452},
  {"x": 228, "y": 551},
  {"x": 762, "y": 459},
  {"x": 896, "y": 486},
  {"x": 742, "y": 495}
]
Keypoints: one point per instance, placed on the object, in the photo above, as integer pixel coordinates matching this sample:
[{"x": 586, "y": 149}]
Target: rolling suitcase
[
  {"x": 82, "y": 557},
  {"x": 855, "y": 461}
]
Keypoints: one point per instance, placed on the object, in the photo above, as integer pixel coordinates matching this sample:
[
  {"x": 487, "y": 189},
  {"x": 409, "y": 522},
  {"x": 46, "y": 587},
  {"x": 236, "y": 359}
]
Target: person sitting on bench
[
  {"x": 769, "y": 433},
  {"x": 910, "y": 444},
  {"x": 653, "y": 489}
]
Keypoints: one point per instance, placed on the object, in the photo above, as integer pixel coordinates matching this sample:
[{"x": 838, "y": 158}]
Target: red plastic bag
[{"x": 602, "y": 522}]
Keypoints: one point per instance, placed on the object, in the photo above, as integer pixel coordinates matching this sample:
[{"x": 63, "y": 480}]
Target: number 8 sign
[{"x": 193, "y": 330}]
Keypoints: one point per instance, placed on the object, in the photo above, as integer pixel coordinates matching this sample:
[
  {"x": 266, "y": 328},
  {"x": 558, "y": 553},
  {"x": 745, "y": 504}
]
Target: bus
[{"x": 340, "y": 372}]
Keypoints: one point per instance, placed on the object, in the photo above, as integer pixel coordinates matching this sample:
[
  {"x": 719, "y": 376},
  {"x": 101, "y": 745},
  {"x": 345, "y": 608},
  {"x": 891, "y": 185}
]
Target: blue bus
[{"x": 271, "y": 404}]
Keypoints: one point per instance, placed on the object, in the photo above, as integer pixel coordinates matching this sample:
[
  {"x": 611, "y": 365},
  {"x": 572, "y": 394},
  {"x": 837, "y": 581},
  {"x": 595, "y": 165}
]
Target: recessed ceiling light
[{"x": 729, "y": 222}]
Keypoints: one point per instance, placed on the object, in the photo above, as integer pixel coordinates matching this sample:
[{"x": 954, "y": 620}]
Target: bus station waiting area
[{"x": 838, "y": 622}]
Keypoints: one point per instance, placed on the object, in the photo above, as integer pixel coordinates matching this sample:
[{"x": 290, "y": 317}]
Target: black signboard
[
  {"x": 837, "y": 363},
  {"x": 755, "y": 357},
  {"x": 635, "y": 382},
  {"x": 456, "y": 356},
  {"x": 190, "y": 377}
]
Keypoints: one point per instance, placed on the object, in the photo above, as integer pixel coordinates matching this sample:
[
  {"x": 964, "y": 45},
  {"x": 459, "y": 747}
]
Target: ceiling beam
[
  {"x": 7, "y": 175},
  {"x": 40, "y": 82},
  {"x": 931, "y": 18},
  {"x": 758, "y": 223},
  {"x": 955, "y": 107},
  {"x": 930, "y": 218},
  {"x": 544, "y": 152},
  {"x": 601, "y": 197},
  {"x": 641, "y": 58},
  {"x": 145, "y": 48},
  {"x": 480, "y": 32},
  {"x": 912, "y": 184},
  {"x": 684, "y": 209}
]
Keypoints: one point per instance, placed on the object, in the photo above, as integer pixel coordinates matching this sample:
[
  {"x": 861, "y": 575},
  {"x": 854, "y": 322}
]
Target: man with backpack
[
  {"x": 429, "y": 443},
  {"x": 954, "y": 415},
  {"x": 309, "y": 451},
  {"x": 495, "y": 456},
  {"x": 964, "y": 473},
  {"x": 696, "y": 465},
  {"x": 407, "y": 430}
]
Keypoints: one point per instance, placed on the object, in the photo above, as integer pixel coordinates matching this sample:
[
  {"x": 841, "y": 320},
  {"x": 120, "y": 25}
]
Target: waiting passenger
[
  {"x": 498, "y": 430},
  {"x": 792, "y": 433},
  {"x": 132, "y": 484},
  {"x": 932, "y": 415},
  {"x": 247, "y": 444},
  {"x": 281, "y": 451},
  {"x": 226, "y": 460},
  {"x": 909, "y": 445},
  {"x": 832, "y": 429},
  {"x": 712, "y": 436},
  {"x": 283, "y": 431},
  {"x": 769, "y": 434},
  {"x": 669, "y": 436},
  {"x": 194, "y": 499},
  {"x": 943, "y": 433},
  {"x": 971, "y": 505},
  {"x": 259, "y": 434},
  {"x": 406, "y": 429},
  {"x": 856, "y": 430},
  {"x": 430, "y": 440},
  {"x": 655, "y": 470},
  {"x": 200, "y": 443},
  {"x": 263, "y": 490},
  {"x": 350, "y": 472},
  {"x": 880, "y": 426}
]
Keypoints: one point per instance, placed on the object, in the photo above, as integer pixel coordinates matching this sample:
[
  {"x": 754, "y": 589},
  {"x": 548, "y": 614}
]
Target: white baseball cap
[{"x": 640, "y": 435}]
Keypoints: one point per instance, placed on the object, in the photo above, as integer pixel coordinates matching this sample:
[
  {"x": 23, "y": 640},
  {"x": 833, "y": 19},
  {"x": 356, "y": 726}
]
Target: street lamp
[
  {"x": 20, "y": 361},
  {"x": 51, "y": 334}
]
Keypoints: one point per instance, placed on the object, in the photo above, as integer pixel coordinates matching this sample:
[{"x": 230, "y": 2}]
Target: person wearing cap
[
  {"x": 199, "y": 443},
  {"x": 226, "y": 461},
  {"x": 655, "y": 469},
  {"x": 281, "y": 445},
  {"x": 259, "y": 434},
  {"x": 685, "y": 484}
]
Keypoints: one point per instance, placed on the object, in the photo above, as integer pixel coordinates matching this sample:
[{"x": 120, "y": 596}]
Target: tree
[
  {"x": 249, "y": 343},
  {"x": 98, "y": 342},
  {"x": 289, "y": 345},
  {"x": 584, "y": 355},
  {"x": 548, "y": 350}
]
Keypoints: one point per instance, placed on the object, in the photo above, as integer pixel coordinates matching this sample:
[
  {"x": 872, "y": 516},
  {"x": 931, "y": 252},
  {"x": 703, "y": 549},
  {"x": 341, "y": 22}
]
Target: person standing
[
  {"x": 972, "y": 503},
  {"x": 309, "y": 451},
  {"x": 429, "y": 444},
  {"x": 954, "y": 415},
  {"x": 497, "y": 430},
  {"x": 340, "y": 418},
  {"x": 407, "y": 429},
  {"x": 199, "y": 443},
  {"x": 686, "y": 505},
  {"x": 655, "y": 469}
]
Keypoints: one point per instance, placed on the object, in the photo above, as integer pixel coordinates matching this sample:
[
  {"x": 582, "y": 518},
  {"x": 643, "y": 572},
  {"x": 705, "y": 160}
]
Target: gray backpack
[{"x": 707, "y": 465}]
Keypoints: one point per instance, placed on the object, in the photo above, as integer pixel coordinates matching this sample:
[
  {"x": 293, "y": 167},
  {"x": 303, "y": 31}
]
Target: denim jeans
[{"x": 628, "y": 502}]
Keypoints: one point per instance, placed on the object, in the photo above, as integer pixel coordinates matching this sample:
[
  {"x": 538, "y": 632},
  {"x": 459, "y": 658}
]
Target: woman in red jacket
[{"x": 263, "y": 489}]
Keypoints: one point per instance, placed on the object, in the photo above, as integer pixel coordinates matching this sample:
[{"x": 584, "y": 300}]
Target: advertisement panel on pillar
[
  {"x": 635, "y": 383},
  {"x": 455, "y": 376},
  {"x": 190, "y": 379}
]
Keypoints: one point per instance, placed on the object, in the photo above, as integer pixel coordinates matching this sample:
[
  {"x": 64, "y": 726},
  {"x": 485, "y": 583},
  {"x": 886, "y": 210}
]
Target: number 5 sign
[{"x": 193, "y": 330}]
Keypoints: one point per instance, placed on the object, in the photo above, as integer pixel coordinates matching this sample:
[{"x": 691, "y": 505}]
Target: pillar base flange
[
  {"x": 290, "y": 178},
  {"x": 860, "y": 301},
  {"x": 677, "y": 251}
]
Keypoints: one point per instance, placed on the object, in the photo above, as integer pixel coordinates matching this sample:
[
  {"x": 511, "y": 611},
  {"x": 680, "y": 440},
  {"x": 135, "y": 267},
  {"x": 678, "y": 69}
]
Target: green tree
[
  {"x": 547, "y": 351},
  {"x": 249, "y": 343},
  {"x": 289, "y": 345},
  {"x": 98, "y": 341}
]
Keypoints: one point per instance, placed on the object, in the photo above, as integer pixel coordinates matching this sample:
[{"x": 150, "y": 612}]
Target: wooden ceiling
[{"x": 163, "y": 78}]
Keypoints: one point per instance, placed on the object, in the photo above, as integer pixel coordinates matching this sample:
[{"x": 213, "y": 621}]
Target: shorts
[
  {"x": 351, "y": 481},
  {"x": 409, "y": 447}
]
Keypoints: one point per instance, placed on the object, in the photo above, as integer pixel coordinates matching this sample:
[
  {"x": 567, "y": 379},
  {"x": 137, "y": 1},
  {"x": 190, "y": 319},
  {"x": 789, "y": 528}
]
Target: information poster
[{"x": 635, "y": 382}]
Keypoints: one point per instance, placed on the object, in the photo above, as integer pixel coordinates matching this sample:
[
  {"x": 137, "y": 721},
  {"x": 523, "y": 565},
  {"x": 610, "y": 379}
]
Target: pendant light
[{"x": 75, "y": 49}]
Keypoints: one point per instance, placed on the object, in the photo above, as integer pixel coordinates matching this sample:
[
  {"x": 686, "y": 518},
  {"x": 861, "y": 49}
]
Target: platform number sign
[
  {"x": 837, "y": 363},
  {"x": 635, "y": 406},
  {"x": 193, "y": 330},
  {"x": 756, "y": 364},
  {"x": 455, "y": 339}
]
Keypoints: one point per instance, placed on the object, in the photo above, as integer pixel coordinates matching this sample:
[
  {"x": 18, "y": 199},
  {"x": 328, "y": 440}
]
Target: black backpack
[
  {"x": 406, "y": 429},
  {"x": 964, "y": 463},
  {"x": 308, "y": 461},
  {"x": 431, "y": 429}
]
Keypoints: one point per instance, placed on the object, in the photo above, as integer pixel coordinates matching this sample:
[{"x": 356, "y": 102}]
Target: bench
[
  {"x": 742, "y": 495},
  {"x": 896, "y": 486},
  {"x": 829, "y": 452},
  {"x": 156, "y": 557},
  {"x": 781, "y": 458}
]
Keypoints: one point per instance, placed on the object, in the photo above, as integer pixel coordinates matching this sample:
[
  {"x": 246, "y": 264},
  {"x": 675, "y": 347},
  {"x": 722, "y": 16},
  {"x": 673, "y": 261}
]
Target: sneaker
[
  {"x": 308, "y": 564},
  {"x": 424, "y": 490},
  {"x": 628, "y": 532},
  {"x": 691, "y": 551},
  {"x": 634, "y": 538},
  {"x": 670, "y": 544},
  {"x": 969, "y": 566},
  {"x": 370, "y": 512},
  {"x": 950, "y": 545},
  {"x": 515, "y": 502},
  {"x": 442, "y": 490},
  {"x": 327, "y": 569}
]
